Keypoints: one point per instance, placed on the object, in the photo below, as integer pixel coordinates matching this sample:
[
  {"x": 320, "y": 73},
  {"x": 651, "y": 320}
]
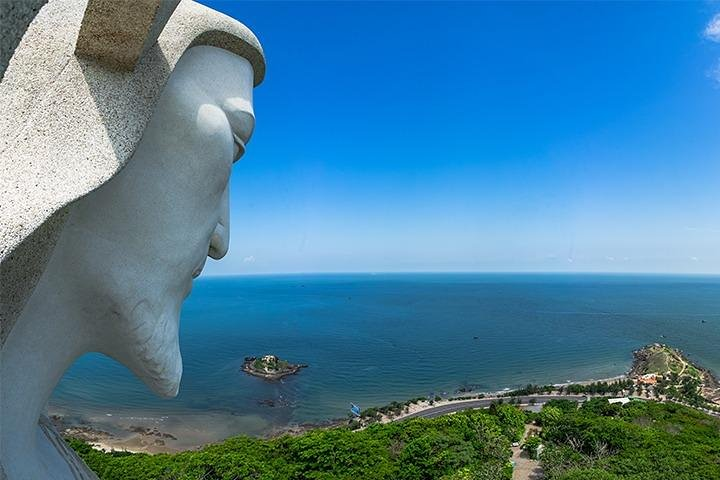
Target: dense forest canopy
[{"x": 643, "y": 440}]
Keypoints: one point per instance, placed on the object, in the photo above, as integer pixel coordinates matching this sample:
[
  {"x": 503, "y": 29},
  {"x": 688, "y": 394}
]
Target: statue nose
[
  {"x": 219, "y": 242},
  {"x": 220, "y": 239}
]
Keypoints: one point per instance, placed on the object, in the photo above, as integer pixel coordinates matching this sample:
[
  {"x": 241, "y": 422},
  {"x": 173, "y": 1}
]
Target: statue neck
[{"x": 44, "y": 342}]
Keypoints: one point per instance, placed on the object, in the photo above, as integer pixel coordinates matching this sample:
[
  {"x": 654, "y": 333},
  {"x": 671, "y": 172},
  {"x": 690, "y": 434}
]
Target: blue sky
[{"x": 481, "y": 137}]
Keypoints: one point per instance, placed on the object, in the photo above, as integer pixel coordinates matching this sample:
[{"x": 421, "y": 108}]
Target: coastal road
[{"x": 433, "y": 412}]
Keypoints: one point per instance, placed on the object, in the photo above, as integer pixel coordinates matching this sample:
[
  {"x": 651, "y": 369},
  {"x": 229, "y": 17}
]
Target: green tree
[
  {"x": 550, "y": 415},
  {"x": 511, "y": 420},
  {"x": 531, "y": 445}
]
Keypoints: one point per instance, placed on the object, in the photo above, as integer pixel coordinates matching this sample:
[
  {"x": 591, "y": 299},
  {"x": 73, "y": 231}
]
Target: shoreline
[
  {"x": 192, "y": 431},
  {"x": 137, "y": 432},
  {"x": 499, "y": 395}
]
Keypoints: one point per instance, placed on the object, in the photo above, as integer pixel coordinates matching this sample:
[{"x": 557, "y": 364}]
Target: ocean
[{"x": 371, "y": 339}]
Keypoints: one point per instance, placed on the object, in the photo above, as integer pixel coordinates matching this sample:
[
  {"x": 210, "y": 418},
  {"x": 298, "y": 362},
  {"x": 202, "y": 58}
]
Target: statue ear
[{"x": 116, "y": 34}]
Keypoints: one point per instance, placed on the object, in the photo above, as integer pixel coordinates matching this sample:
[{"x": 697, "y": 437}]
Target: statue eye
[{"x": 238, "y": 149}]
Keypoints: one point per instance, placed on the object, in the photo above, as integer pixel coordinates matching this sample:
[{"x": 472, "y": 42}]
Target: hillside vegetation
[
  {"x": 477, "y": 442},
  {"x": 674, "y": 376},
  {"x": 598, "y": 441},
  {"x": 639, "y": 441}
]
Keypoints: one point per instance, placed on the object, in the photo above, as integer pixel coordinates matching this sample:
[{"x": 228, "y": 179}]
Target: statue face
[{"x": 131, "y": 248}]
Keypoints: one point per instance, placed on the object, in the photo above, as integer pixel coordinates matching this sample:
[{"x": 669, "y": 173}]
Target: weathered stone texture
[
  {"x": 117, "y": 33},
  {"x": 15, "y": 16},
  {"x": 68, "y": 127}
]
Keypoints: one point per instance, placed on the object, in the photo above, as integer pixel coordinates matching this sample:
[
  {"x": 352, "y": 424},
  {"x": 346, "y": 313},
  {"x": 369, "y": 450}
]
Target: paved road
[{"x": 433, "y": 412}]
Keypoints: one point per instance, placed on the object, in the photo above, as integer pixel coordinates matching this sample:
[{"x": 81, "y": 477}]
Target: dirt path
[
  {"x": 525, "y": 467},
  {"x": 684, "y": 367}
]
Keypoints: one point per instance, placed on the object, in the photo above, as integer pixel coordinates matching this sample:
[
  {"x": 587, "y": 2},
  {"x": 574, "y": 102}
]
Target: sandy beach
[{"x": 153, "y": 434}]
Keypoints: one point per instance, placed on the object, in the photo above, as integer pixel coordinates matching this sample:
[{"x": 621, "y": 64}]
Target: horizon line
[{"x": 462, "y": 272}]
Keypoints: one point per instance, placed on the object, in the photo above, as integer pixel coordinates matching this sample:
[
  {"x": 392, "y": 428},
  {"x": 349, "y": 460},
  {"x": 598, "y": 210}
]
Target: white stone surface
[
  {"x": 126, "y": 256},
  {"x": 68, "y": 125}
]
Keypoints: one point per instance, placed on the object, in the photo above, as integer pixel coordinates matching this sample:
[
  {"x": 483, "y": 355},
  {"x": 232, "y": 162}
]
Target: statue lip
[
  {"x": 195, "y": 273},
  {"x": 239, "y": 147},
  {"x": 198, "y": 270}
]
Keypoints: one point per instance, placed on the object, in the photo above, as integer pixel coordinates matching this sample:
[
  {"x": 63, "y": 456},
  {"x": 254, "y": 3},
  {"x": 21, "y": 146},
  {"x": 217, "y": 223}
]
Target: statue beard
[{"x": 154, "y": 346}]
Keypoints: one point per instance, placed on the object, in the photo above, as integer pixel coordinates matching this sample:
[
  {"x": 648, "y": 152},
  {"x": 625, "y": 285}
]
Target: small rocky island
[{"x": 270, "y": 367}]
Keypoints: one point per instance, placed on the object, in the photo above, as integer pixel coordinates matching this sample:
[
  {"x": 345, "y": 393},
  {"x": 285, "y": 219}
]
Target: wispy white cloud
[
  {"x": 712, "y": 33},
  {"x": 703, "y": 229},
  {"x": 250, "y": 259},
  {"x": 712, "y": 30}
]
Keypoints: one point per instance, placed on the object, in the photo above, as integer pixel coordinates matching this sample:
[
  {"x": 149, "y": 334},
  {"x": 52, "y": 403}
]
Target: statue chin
[{"x": 154, "y": 355}]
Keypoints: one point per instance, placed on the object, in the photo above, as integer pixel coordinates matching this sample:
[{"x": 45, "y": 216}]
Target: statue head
[
  {"x": 130, "y": 249},
  {"x": 78, "y": 94},
  {"x": 115, "y": 159}
]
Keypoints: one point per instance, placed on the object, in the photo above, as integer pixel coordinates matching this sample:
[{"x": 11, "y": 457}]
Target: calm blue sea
[{"x": 371, "y": 339}]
